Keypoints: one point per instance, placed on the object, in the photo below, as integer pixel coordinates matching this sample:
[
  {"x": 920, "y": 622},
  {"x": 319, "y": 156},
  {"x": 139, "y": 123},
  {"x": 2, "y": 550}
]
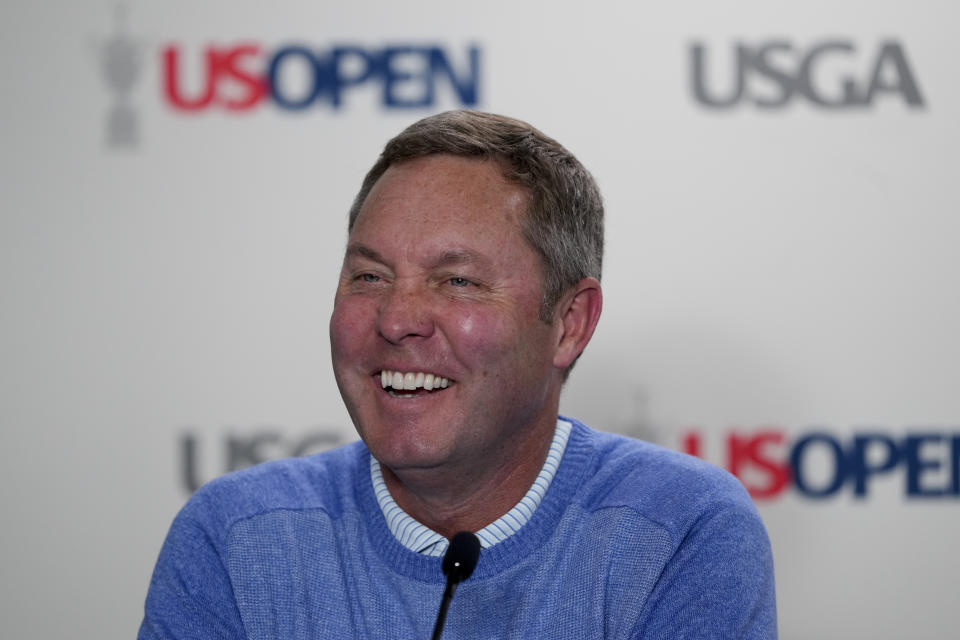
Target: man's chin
[
  {"x": 409, "y": 461},
  {"x": 410, "y": 457}
]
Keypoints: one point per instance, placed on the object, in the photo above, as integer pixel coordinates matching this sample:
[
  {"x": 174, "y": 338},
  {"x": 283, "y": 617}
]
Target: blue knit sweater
[{"x": 631, "y": 541}]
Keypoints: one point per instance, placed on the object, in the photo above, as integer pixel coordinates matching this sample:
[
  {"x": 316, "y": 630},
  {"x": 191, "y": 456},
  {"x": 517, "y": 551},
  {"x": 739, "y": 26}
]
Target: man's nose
[{"x": 405, "y": 313}]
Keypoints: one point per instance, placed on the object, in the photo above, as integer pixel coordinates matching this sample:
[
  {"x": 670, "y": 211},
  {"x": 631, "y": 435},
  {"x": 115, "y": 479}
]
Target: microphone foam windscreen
[{"x": 461, "y": 557}]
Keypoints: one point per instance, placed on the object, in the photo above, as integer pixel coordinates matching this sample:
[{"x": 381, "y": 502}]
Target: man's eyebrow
[
  {"x": 448, "y": 258},
  {"x": 363, "y": 251},
  {"x": 459, "y": 256}
]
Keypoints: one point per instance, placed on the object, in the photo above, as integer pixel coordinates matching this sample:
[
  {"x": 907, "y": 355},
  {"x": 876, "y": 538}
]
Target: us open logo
[
  {"x": 242, "y": 76},
  {"x": 819, "y": 463}
]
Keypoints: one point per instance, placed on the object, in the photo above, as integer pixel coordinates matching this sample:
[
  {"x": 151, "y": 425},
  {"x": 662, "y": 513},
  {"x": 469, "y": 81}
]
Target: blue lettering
[
  {"x": 466, "y": 85},
  {"x": 916, "y": 466},
  {"x": 395, "y": 79},
  {"x": 403, "y": 88},
  {"x": 321, "y": 74},
  {"x": 840, "y": 465},
  {"x": 408, "y": 75},
  {"x": 860, "y": 467},
  {"x": 955, "y": 465},
  {"x": 339, "y": 78}
]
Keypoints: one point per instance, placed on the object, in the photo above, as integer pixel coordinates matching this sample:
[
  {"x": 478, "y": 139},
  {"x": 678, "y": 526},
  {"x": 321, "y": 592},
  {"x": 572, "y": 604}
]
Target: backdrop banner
[{"x": 781, "y": 278}]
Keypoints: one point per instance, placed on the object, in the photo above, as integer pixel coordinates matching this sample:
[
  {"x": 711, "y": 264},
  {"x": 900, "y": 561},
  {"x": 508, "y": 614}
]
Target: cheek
[
  {"x": 489, "y": 340},
  {"x": 349, "y": 326},
  {"x": 478, "y": 335},
  {"x": 466, "y": 325}
]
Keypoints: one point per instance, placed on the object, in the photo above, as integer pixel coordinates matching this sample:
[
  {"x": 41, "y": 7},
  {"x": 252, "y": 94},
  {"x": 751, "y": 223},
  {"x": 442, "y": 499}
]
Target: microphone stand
[
  {"x": 444, "y": 605},
  {"x": 458, "y": 563}
]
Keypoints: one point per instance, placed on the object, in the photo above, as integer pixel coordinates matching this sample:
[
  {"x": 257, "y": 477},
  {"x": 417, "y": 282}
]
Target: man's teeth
[{"x": 412, "y": 381}]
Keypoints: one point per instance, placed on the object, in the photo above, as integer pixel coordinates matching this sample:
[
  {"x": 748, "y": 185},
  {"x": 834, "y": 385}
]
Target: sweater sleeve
[
  {"x": 190, "y": 594},
  {"x": 718, "y": 584}
]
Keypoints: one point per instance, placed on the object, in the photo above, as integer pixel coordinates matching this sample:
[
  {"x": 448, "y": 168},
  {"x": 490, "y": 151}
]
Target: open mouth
[{"x": 400, "y": 384}]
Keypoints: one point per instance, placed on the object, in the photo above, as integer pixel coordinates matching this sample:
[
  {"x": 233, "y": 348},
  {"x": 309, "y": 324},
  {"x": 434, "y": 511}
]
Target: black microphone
[{"x": 458, "y": 563}]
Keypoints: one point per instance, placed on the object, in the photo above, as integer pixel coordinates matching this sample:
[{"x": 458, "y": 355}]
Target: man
[{"x": 469, "y": 288}]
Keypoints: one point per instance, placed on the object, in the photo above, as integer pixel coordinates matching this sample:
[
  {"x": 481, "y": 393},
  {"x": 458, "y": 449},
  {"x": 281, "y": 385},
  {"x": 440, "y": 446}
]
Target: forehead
[{"x": 440, "y": 190}]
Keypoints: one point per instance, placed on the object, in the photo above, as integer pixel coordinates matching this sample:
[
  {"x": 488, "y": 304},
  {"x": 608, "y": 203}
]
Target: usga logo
[
  {"x": 204, "y": 457},
  {"x": 833, "y": 74}
]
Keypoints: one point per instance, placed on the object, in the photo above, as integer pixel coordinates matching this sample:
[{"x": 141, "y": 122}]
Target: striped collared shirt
[{"x": 422, "y": 539}]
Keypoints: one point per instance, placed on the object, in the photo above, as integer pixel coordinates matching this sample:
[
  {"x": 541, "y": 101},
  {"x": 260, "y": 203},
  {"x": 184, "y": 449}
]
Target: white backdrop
[{"x": 773, "y": 271}]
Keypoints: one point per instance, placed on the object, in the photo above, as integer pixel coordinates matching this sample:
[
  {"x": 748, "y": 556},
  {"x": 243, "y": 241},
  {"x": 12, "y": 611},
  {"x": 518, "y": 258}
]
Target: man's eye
[
  {"x": 369, "y": 277},
  {"x": 459, "y": 282}
]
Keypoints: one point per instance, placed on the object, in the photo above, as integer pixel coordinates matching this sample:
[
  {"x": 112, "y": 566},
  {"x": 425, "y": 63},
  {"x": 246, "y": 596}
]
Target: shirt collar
[{"x": 421, "y": 539}]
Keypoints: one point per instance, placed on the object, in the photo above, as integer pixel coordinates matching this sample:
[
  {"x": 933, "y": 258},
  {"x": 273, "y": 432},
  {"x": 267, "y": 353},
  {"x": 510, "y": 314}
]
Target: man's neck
[{"x": 468, "y": 498}]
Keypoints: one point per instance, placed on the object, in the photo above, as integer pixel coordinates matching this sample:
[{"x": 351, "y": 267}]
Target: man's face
[{"x": 438, "y": 282}]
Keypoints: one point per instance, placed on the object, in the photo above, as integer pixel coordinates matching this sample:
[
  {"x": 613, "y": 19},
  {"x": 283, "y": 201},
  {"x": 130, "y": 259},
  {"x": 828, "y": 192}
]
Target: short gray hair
[{"x": 564, "y": 221}]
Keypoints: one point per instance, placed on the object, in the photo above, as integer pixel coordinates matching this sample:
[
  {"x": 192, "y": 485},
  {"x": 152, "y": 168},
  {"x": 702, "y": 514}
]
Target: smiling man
[{"x": 470, "y": 286}]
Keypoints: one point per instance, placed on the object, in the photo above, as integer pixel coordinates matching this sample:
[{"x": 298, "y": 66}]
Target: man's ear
[{"x": 577, "y": 315}]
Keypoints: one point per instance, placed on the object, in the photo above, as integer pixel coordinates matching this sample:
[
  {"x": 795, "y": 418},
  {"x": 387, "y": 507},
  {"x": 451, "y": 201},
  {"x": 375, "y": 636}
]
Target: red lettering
[
  {"x": 221, "y": 65},
  {"x": 255, "y": 85},
  {"x": 690, "y": 443},
  {"x": 171, "y": 80},
  {"x": 747, "y": 453}
]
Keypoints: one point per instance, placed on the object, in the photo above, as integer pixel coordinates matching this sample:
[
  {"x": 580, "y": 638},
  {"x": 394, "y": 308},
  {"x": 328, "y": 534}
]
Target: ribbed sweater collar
[{"x": 500, "y": 557}]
